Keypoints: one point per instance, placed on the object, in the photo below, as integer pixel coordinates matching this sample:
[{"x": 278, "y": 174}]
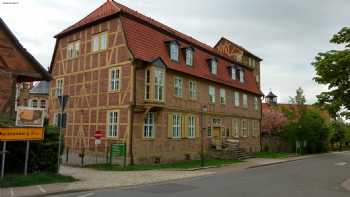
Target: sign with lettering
[
  {"x": 21, "y": 134},
  {"x": 29, "y": 117}
]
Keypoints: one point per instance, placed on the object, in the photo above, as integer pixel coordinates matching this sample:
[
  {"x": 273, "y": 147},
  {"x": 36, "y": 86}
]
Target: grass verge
[
  {"x": 272, "y": 155},
  {"x": 178, "y": 165},
  {"x": 34, "y": 179}
]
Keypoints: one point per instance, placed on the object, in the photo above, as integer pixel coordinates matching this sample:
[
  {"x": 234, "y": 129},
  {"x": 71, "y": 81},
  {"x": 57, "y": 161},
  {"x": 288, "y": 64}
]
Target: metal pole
[
  {"x": 26, "y": 160},
  {"x": 60, "y": 136},
  {"x": 202, "y": 137},
  {"x": 3, "y": 160}
]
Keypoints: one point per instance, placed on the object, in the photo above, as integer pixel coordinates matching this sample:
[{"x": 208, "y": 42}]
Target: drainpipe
[{"x": 132, "y": 107}]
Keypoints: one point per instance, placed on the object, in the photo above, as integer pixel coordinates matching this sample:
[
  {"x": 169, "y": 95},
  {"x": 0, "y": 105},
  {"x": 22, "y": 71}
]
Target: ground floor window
[
  {"x": 113, "y": 117},
  {"x": 191, "y": 126},
  {"x": 244, "y": 128},
  {"x": 176, "y": 127},
  {"x": 148, "y": 128}
]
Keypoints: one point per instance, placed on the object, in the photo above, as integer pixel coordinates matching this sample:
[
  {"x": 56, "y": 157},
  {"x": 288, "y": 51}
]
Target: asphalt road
[{"x": 320, "y": 176}]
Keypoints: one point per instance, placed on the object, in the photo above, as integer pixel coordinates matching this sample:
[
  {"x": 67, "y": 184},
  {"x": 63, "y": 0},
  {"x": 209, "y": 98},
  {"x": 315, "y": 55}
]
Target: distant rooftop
[{"x": 41, "y": 88}]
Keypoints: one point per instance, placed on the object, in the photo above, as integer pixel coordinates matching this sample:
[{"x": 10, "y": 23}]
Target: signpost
[
  {"x": 118, "y": 150},
  {"x": 63, "y": 102},
  {"x": 19, "y": 134}
]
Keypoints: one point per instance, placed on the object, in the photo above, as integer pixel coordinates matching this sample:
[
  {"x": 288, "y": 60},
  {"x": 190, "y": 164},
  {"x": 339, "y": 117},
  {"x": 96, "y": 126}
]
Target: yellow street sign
[{"x": 21, "y": 134}]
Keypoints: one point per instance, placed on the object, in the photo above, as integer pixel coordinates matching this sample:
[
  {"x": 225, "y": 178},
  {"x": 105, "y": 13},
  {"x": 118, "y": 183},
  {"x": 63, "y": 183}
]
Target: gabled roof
[
  {"x": 146, "y": 39},
  {"x": 41, "y": 88},
  {"x": 34, "y": 63}
]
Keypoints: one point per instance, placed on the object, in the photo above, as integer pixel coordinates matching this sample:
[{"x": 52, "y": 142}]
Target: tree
[
  {"x": 333, "y": 69},
  {"x": 339, "y": 131},
  {"x": 272, "y": 120},
  {"x": 299, "y": 97},
  {"x": 310, "y": 128}
]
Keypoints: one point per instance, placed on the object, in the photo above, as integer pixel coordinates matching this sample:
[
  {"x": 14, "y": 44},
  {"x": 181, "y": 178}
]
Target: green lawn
[
  {"x": 178, "y": 165},
  {"x": 34, "y": 179},
  {"x": 273, "y": 155}
]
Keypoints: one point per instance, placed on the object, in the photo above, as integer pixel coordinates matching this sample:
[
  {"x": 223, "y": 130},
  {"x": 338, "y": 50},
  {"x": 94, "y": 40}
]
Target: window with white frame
[
  {"x": 236, "y": 127},
  {"x": 244, "y": 128},
  {"x": 43, "y": 104},
  {"x": 241, "y": 75},
  {"x": 191, "y": 132},
  {"x": 233, "y": 73},
  {"x": 147, "y": 84},
  {"x": 114, "y": 79},
  {"x": 193, "y": 89},
  {"x": 256, "y": 103},
  {"x": 99, "y": 42},
  {"x": 159, "y": 84},
  {"x": 245, "y": 101},
  {"x": 73, "y": 49},
  {"x": 178, "y": 86},
  {"x": 237, "y": 98},
  {"x": 211, "y": 94},
  {"x": 59, "y": 87},
  {"x": 222, "y": 96},
  {"x": 148, "y": 128},
  {"x": 34, "y": 103},
  {"x": 113, "y": 117},
  {"x": 214, "y": 66},
  {"x": 176, "y": 128},
  {"x": 189, "y": 56},
  {"x": 174, "y": 51}
]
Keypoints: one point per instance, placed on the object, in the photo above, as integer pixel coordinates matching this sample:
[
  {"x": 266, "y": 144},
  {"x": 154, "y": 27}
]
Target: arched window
[
  {"x": 34, "y": 103},
  {"x": 43, "y": 104}
]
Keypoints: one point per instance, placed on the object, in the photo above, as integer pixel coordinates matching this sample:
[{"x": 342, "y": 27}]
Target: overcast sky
[{"x": 286, "y": 34}]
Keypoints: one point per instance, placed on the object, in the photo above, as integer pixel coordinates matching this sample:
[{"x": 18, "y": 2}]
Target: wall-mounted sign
[
  {"x": 29, "y": 117},
  {"x": 21, "y": 134}
]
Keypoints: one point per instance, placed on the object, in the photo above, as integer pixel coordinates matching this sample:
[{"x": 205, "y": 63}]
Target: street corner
[{"x": 346, "y": 184}]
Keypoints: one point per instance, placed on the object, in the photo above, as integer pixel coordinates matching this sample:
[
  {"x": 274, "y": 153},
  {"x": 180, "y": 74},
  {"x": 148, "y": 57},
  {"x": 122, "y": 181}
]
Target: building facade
[
  {"x": 17, "y": 65},
  {"x": 144, "y": 84}
]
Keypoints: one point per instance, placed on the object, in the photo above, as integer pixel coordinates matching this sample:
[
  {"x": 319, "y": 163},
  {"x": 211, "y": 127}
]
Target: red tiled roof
[{"x": 146, "y": 39}]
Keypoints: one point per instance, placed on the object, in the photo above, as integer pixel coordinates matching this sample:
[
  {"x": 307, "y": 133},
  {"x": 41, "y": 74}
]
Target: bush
[{"x": 42, "y": 155}]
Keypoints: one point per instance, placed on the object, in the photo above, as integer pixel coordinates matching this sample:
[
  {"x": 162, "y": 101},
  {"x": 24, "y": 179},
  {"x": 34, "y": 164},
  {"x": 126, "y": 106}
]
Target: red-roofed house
[{"x": 144, "y": 84}]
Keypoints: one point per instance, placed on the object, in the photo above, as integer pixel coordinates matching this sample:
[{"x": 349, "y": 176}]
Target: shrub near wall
[{"x": 42, "y": 156}]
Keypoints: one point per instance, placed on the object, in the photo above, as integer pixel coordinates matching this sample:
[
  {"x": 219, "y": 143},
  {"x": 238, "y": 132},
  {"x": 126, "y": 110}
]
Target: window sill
[
  {"x": 112, "y": 138},
  {"x": 148, "y": 138},
  {"x": 113, "y": 91},
  {"x": 96, "y": 52}
]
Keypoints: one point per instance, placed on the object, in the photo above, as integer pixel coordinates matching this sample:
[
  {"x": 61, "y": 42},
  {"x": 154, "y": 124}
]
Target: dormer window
[
  {"x": 174, "y": 51},
  {"x": 214, "y": 66},
  {"x": 189, "y": 56}
]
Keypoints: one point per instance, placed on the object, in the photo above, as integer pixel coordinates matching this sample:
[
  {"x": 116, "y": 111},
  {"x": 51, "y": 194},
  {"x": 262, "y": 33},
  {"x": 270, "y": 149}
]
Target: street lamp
[
  {"x": 204, "y": 109},
  {"x": 62, "y": 101}
]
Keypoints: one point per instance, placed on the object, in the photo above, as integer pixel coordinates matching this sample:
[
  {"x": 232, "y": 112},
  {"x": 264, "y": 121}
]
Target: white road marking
[
  {"x": 41, "y": 189},
  {"x": 86, "y": 195},
  {"x": 340, "y": 164},
  {"x": 12, "y": 193}
]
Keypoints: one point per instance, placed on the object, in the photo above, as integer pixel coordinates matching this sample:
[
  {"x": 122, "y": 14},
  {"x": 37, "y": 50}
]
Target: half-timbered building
[{"x": 145, "y": 84}]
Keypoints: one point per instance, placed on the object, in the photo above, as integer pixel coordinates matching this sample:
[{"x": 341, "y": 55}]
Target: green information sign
[{"x": 117, "y": 150}]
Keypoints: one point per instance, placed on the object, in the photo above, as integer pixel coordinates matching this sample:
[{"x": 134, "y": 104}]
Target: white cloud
[{"x": 286, "y": 34}]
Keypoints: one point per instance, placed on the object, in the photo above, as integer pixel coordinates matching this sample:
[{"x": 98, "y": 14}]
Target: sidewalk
[{"x": 90, "y": 179}]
